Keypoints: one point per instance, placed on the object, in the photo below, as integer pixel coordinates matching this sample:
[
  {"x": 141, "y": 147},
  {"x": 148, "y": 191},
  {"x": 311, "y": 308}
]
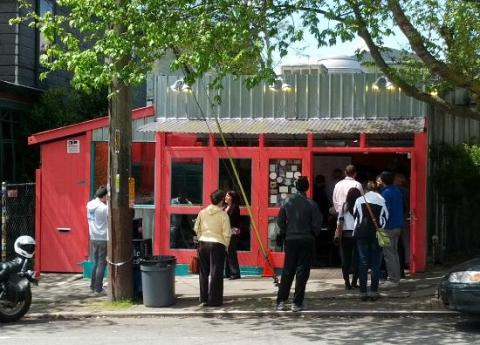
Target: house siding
[{"x": 325, "y": 96}]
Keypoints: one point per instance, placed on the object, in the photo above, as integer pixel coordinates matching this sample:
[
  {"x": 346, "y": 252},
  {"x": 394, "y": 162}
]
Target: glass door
[
  {"x": 186, "y": 190},
  {"x": 244, "y": 160},
  {"x": 279, "y": 168}
]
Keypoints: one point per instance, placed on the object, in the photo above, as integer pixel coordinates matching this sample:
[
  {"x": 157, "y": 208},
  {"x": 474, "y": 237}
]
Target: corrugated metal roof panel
[{"x": 285, "y": 126}]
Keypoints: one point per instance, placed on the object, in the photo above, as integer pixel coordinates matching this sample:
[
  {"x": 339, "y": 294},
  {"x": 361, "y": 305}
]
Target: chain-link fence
[{"x": 18, "y": 215}]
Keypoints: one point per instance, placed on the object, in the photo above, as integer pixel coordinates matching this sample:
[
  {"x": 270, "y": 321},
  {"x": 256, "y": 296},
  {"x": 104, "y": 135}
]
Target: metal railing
[{"x": 18, "y": 215}]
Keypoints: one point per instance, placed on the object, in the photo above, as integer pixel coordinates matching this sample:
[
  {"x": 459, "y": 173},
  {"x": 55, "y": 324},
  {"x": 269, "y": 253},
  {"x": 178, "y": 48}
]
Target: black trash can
[{"x": 158, "y": 280}]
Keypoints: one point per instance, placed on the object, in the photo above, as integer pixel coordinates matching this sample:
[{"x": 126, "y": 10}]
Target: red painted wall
[{"x": 64, "y": 194}]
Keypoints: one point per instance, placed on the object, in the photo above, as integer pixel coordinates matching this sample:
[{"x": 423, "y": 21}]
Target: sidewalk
[{"x": 68, "y": 296}]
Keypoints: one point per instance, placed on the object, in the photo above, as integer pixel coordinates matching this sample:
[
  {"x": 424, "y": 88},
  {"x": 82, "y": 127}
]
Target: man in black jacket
[{"x": 299, "y": 221}]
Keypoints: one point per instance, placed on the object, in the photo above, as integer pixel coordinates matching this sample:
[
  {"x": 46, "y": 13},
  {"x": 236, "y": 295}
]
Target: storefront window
[
  {"x": 243, "y": 243},
  {"x": 100, "y": 165},
  {"x": 286, "y": 140},
  {"x": 227, "y": 180},
  {"x": 273, "y": 232},
  {"x": 336, "y": 140},
  {"x": 282, "y": 176},
  {"x": 143, "y": 170},
  {"x": 237, "y": 139},
  {"x": 187, "y": 181},
  {"x": 181, "y": 231}
]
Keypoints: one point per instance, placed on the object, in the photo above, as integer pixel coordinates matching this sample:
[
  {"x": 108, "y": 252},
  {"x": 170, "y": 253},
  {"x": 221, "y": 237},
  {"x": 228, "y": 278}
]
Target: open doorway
[{"x": 331, "y": 167}]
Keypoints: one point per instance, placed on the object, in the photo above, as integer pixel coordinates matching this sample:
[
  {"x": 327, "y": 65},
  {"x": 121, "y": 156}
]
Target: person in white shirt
[
  {"x": 342, "y": 187},
  {"x": 344, "y": 238},
  {"x": 97, "y": 216},
  {"x": 370, "y": 254}
]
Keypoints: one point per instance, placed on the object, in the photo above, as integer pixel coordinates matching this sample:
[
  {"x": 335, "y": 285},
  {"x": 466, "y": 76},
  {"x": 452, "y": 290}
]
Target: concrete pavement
[{"x": 68, "y": 296}]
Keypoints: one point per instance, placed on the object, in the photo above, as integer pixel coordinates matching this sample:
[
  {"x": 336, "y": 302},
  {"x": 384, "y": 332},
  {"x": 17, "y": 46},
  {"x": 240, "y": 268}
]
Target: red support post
[
  {"x": 38, "y": 221},
  {"x": 159, "y": 189},
  {"x": 418, "y": 202},
  {"x": 363, "y": 140}
]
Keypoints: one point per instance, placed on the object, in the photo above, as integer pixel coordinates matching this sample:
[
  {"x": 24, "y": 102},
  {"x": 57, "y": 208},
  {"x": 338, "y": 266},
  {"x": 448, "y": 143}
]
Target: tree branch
[
  {"x": 327, "y": 14},
  {"x": 418, "y": 45},
  {"x": 410, "y": 90}
]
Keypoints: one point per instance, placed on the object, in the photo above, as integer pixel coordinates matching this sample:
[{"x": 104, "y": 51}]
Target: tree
[
  {"x": 443, "y": 36},
  {"x": 115, "y": 42}
]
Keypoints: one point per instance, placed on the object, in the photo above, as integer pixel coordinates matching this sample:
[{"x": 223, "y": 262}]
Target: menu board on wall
[{"x": 282, "y": 175}]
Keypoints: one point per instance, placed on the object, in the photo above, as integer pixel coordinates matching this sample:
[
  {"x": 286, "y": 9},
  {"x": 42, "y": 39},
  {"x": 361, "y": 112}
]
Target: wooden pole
[{"x": 120, "y": 250}]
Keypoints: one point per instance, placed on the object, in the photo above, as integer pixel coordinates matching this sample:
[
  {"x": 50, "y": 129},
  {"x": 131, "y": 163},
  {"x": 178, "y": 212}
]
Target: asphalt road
[{"x": 279, "y": 330}]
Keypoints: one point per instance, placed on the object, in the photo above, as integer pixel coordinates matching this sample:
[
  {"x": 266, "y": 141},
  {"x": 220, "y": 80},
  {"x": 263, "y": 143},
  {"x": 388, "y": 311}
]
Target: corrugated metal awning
[{"x": 285, "y": 126}]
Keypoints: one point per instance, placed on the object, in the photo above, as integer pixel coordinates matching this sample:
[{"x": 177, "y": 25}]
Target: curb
[{"x": 242, "y": 313}]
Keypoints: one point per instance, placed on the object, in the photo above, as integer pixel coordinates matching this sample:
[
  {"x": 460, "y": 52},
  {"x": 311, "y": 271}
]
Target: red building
[{"x": 274, "y": 135}]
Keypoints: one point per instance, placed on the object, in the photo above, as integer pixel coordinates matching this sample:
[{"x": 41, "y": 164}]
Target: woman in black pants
[
  {"x": 213, "y": 230},
  {"x": 232, "y": 207},
  {"x": 344, "y": 235}
]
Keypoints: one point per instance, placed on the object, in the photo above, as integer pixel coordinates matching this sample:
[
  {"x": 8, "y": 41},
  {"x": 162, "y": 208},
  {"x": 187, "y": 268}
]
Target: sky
[{"x": 308, "y": 52}]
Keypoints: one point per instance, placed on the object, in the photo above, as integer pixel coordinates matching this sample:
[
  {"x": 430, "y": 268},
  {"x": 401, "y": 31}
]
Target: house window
[
  {"x": 187, "y": 181},
  {"x": 44, "y": 6},
  {"x": 181, "y": 231},
  {"x": 227, "y": 180},
  {"x": 143, "y": 171}
]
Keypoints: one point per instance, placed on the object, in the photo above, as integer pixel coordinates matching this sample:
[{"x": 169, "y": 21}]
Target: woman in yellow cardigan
[{"x": 213, "y": 232}]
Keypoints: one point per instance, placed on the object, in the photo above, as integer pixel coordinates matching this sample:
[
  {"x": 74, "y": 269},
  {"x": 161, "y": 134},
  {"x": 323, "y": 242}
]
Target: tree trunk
[{"x": 120, "y": 215}]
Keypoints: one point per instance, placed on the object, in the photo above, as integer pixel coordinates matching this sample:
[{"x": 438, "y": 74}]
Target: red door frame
[
  {"x": 246, "y": 258},
  {"x": 183, "y": 255},
  {"x": 418, "y": 181},
  {"x": 260, "y": 157},
  {"x": 210, "y": 156}
]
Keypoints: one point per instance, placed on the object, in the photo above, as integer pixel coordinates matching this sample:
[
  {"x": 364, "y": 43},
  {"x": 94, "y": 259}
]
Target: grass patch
[{"x": 121, "y": 304}]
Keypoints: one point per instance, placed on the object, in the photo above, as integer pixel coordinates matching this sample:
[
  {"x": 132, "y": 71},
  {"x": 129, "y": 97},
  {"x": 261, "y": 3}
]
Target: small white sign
[
  {"x": 283, "y": 189},
  {"x": 73, "y": 146}
]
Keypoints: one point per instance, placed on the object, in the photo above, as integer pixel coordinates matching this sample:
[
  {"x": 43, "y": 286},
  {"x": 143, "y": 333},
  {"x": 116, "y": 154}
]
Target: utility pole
[{"x": 120, "y": 219}]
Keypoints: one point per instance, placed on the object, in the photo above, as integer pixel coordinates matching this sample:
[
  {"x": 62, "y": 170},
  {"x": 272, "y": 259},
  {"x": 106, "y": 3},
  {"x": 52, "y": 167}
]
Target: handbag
[
  {"x": 193, "y": 267},
  {"x": 382, "y": 237}
]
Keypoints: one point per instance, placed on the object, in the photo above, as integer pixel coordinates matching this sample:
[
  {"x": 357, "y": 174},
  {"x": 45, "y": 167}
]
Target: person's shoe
[
  {"x": 389, "y": 285},
  {"x": 374, "y": 296},
  {"x": 234, "y": 277},
  {"x": 100, "y": 293},
  {"x": 348, "y": 286},
  {"x": 281, "y": 306},
  {"x": 364, "y": 297},
  {"x": 212, "y": 304},
  {"x": 297, "y": 308}
]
